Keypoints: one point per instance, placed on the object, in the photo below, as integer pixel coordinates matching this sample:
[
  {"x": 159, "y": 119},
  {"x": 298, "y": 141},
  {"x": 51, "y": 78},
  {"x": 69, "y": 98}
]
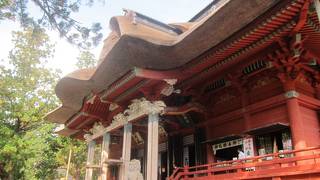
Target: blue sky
[{"x": 65, "y": 54}]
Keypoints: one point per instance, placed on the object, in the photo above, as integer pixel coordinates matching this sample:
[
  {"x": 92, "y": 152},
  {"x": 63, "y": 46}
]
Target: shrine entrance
[
  {"x": 227, "y": 154},
  {"x": 273, "y": 142},
  {"x": 227, "y": 150}
]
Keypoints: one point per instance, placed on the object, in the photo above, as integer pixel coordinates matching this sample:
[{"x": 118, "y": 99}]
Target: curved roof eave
[{"x": 135, "y": 45}]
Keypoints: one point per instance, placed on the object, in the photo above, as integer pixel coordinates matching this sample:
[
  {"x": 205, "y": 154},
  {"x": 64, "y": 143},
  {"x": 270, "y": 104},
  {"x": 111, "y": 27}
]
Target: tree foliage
[
  {"x": 55, "y": 14},
  {"x": 55, "y": 157},
  {"x": 26, "y": 93},
  {"x": 29, "y": 149},
  {"x": 86, "y": 59},
  {"x": 78, "y": 157}
]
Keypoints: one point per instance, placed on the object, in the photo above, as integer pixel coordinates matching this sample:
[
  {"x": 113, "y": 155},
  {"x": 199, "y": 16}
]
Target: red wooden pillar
[
  {"x": 209, "y": 150},
  {"x": 296, "y": 121},
  {"x": 210, "y": 158}
]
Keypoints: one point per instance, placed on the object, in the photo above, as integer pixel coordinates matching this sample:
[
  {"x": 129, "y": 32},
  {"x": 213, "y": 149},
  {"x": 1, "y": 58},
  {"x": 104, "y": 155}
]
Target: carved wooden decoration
[
  {"x": 263, "y": 81},
  {"x": 225, "y": 97},
  {"x": 169, "y": 89},
  {"x": 137, "y": 109}
]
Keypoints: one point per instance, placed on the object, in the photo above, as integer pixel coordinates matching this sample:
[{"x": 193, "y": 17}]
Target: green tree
[
  {"x": 26, "y": 95},
  {"x": 78, "y": 158},
  {"x": 86, "y": 60},
  {"x": 54, "y": 14},
  {"x": 29, "y": 149}
]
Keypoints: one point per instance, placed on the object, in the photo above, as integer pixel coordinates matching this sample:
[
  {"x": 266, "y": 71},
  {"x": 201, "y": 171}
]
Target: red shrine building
[{"x": 231, "y": 94}]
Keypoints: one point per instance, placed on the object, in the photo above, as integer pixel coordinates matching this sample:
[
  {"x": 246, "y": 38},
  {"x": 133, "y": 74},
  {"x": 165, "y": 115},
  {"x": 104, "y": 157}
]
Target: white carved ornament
[
  {"x": 171, "y": 81},
  {"x": 97, "y": 129},
  {"x": 118, "y": 120},
  {"x": 136, "y": 109},
  {"x": 169, "y": 89},
  {"x": 142, "y": 106}
]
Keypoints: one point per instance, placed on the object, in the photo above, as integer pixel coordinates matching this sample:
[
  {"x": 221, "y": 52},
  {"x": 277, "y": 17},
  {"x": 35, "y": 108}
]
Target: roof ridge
[{"x": 146, "y": 20}]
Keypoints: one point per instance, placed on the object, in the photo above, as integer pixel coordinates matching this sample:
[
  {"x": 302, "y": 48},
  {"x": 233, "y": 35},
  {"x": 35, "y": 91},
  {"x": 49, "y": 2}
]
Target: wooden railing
[{"x": 255, "y": 164}]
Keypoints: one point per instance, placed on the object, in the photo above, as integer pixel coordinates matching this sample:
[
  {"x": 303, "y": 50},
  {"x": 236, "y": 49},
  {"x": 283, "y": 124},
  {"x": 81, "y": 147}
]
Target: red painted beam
[{"x": 302, "y": 18}]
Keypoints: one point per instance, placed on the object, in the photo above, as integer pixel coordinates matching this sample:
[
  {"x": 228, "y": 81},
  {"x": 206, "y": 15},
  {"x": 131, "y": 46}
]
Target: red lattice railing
[{"x": 267, "y": 163}]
